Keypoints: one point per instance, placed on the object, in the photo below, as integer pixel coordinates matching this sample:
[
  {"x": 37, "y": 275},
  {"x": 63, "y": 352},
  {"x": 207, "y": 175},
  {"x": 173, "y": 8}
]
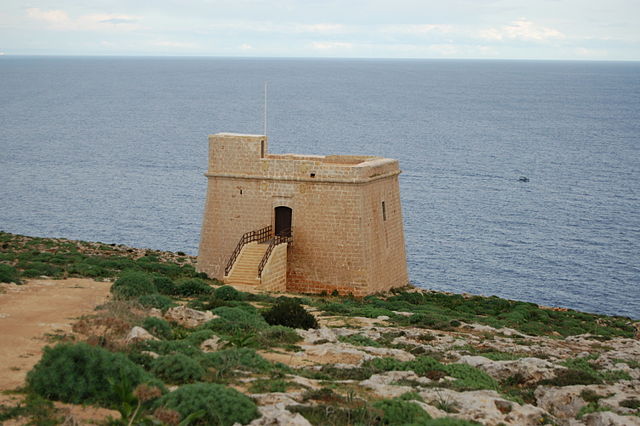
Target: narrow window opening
[
  {"x": 384, "y": 212},
  {"x": 313, "y": 175},
  {"x": 261, "y": 149},
  {"x": 241, "y": 192}
]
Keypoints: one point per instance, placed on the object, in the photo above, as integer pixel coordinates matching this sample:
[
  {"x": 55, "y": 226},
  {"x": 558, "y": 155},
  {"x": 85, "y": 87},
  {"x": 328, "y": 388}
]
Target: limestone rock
[
  {"x": 314, "y": 335},
  {"x": 398, "y": 354},
  {"x": 279, "y": 415},
  {"x": 564, "y": 402},
  {"x": 531, "y": 369},
  {"x": 211, "y": 345},
  {"x": 188, "y": 317},
  {"x": 485, "y": 406},
  {"x": 277, "y": 398},
  {"x": 334, "y": 353},
  {"x": 138, "y": 334},
  {"x": 382, "y": 384},
  {"x": 607, "y": 418}
]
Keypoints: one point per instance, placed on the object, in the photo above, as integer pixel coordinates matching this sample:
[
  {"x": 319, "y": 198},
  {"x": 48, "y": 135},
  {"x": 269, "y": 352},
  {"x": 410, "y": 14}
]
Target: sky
[{"x": 499, "y": 29}]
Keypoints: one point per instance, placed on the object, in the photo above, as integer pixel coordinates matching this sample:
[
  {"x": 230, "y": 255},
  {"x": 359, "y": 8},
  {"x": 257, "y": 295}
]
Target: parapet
[{"x": 246, "y": 157}]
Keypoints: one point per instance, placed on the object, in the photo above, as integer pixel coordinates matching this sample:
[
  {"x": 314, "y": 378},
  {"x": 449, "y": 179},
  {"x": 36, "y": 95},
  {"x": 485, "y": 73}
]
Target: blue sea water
[{"x": 114, "y": 150}]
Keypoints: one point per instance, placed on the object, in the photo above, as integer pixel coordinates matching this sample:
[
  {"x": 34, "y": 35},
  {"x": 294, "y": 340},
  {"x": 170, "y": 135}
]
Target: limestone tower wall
[{"x": 345, "y": 214}]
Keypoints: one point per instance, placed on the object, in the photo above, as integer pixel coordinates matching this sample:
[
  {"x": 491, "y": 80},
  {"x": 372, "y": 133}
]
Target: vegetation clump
[
  {"x": 177, "y": 368},
  {"x": 8, "y": 274},
  {"x": 220, "y": 405},
  {"x": 290, "y": 313},
  {"x": 83, "y": 374},
  {"x": 131, "y": 284},
  {"x": 226, "y": 292},
  {"x": 158, "y": 327}
]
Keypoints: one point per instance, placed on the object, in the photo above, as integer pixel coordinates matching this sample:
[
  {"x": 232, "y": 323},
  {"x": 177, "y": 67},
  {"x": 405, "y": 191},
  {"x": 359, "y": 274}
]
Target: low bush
[
  {"x": 8, "y": 274},
  {"x": 290, "y": 313},
  {"x": 221, "y": 405},
  {"x": 158, "y": 327},
  {"x": 228, "y": 360},
  {"x": 399, "y": 412},
  {"x": 571, "y": 377},
  {"x": 177, "y": 368},
  {"x": 236, "y": 320},
  {"x": 164, "y": 285},
  {"x": 131, "y": 284},
  {"x": 83, "y": 374},
  {"x": 277, "y": 335},
  {"x": 192, "y": 287},
  {"x": 226, "y": 292},
  {"x": 157, "y": 301}
]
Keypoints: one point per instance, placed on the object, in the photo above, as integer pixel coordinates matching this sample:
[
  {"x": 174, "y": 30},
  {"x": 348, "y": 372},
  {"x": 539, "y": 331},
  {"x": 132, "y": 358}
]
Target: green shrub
[
  {"x": 399, "y": 412},
  {"x": 8, "y": 274},
  {"x": 157, "y": 301},
  {"x": 290, "y": 313},
  {"x": 192, "y": 287},
  {"x": 83, "y": 374},
  {"x": 277, "y": 335},
  {"x": 226, "y": 292},
  {"x": 36, "y": 269},
  {"x": 222, "y": 406},
  {"x": 359, "y": 340},
  {"x": 571, "y": 377},
  {"x": 131, "y": 284},
  {"x": 632, "y": 403},
  {"x": 227, "y": 360},
  {"x": 268, "y": 385},
  {"x": 177, "y": 368},
  {"x": 158, "y": 327},
  {"x": 236, "y": 320},
  {"x": 165, "y": 285}
]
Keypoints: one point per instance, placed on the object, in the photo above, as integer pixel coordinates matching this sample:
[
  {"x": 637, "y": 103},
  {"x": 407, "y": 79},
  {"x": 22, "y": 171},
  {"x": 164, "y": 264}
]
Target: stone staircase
[{"x": 245, "y": 268}]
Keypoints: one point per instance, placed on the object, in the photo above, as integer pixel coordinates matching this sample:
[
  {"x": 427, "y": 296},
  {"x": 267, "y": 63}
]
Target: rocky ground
[{"x": 479, "y": 361}]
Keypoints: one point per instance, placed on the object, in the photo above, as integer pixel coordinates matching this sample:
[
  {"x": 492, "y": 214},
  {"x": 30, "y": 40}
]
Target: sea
[{"x": 520, "y": 179}]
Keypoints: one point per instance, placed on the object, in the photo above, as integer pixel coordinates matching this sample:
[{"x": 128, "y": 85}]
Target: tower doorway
[{"x": 283, "y": 221}]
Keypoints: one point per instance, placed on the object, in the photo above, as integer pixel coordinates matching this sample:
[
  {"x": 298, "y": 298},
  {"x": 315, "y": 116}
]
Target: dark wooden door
[{"x": 283, "y": 221}]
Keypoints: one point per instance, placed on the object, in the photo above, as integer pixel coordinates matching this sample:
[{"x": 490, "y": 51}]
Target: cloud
[
  {"x": 416, "y": 29},
  {"x": 173, "y": 44},
  {"x": 246, "y": 46},
  {"x": 328, "y": 45},
  {"x": 60, "y": 20},
  {"x": 523, "y": 30}
]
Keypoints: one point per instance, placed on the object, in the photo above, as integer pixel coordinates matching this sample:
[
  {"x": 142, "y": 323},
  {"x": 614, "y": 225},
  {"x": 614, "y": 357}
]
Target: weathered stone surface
[
  {"x": 138, "y": 334},
  {"x": 211, "y": 345},
  {"x": 566, "y": 402},
  {"x": 277, "y": 398},
  {"x": 279, "y": 415},
  {"x": 382, "y": 386},
  {"x": 484, "y": 406},
  {"x": 607, "y": 418},
  {"x": 314, "y": 335},
  {"x": 188, "y": 317},
  {"x": 531, "y": 369},
  {"x": 334, "y": 353}
]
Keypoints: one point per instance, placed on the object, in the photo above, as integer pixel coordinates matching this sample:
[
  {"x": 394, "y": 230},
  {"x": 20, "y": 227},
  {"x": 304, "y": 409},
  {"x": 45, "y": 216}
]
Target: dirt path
[{"x": 31, "y": 311}]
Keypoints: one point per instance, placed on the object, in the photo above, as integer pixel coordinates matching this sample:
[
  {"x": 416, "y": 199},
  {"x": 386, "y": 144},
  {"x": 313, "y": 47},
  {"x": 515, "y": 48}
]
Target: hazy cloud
[
  {"x": 60, "y": 20},
  {"x": 524, "y": 30}
]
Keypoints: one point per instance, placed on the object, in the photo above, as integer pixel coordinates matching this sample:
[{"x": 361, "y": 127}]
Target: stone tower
[{"x": 301, "y": 223}]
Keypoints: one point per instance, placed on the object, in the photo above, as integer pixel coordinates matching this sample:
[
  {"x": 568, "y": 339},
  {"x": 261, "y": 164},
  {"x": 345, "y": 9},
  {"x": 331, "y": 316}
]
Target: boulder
[
  {"x": 313, "y": 335},
  {"x": 211, "y": 345},
  {"x": 138, "y": 334},
  {"x": 279, "y": 415},
  {"x": 564, "y": 402},
  {"x": 188, "y": 317}
]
